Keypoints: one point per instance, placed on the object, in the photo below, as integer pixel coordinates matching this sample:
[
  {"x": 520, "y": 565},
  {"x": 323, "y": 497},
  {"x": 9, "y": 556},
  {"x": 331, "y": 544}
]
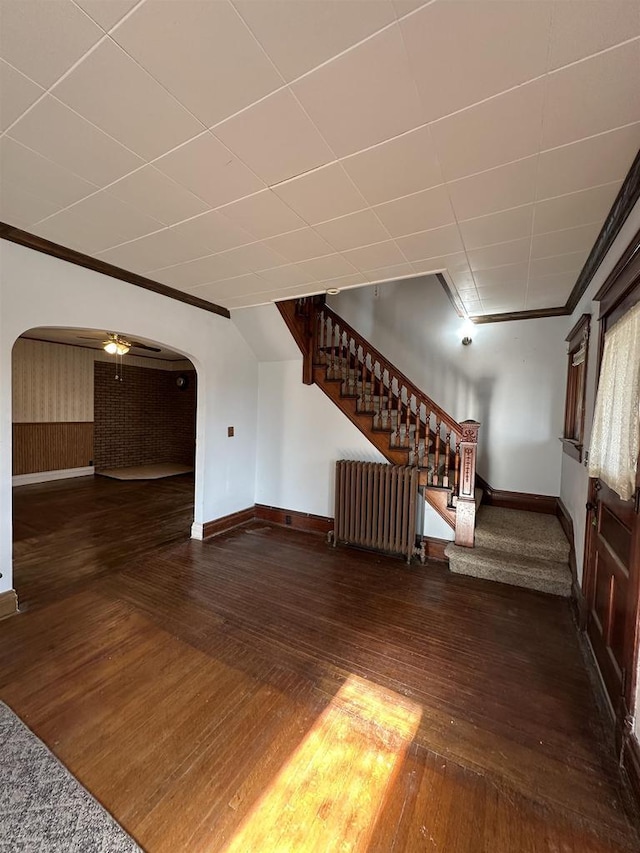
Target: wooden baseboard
[
  {"x": 227, "y": 522},
  {"x": 577, "y": 597},
  {"x": 434, "y": 548},
  {"x": 631, "y": 764},
  {"x": 8, "y": 603},
  {"x": 292, "y": 518},
  {"x": 516, "y": 500}
]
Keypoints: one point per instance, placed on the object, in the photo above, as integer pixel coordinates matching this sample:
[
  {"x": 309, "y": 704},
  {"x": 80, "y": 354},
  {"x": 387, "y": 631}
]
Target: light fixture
[
  {"x": 116, "y": 345},
  {"x": 467, "y": 330},
  {"x": 332, "y": 291}
]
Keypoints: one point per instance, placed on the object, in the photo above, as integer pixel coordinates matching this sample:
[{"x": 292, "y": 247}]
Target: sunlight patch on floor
[{"x": 331, "y": 791}]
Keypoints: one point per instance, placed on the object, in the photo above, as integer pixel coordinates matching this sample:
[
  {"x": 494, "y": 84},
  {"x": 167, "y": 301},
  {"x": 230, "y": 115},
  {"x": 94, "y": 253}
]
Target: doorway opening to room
[{"x": 104, "y": 444}]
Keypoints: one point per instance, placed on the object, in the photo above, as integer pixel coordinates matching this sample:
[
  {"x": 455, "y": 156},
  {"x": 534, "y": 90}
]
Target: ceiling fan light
[
  {"x": 122, "y": 349},
  {"x": 111, "y": 347}
]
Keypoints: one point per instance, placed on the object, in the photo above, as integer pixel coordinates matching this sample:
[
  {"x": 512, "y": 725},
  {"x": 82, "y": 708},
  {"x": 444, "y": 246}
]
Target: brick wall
[{"x": 144, "y": 419}]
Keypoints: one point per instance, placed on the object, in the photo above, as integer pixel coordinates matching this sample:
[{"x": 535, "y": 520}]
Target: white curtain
[{"x": 615, "y": 437}]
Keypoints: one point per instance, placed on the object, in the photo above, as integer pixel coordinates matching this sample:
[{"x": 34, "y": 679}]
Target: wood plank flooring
[{"x": 262, "y": 691}]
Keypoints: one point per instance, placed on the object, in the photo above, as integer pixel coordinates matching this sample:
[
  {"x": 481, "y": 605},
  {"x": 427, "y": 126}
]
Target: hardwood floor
[{"x": 261, "y": 691}]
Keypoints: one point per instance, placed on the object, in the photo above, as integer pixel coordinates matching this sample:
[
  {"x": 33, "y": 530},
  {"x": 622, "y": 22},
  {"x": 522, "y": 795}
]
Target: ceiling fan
[{"x": 115, "y": 344}]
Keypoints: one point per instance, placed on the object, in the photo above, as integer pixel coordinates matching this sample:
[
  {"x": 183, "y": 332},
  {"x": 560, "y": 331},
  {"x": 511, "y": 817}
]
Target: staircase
[
  {"x": 519, "y": 548},
  {"x": 405, "y": 425}
]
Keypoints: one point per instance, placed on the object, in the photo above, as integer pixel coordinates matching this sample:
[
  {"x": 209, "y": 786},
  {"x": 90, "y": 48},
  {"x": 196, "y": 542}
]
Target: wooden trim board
[
  {"x": 516, "y": 500},
  {"x": 227, "y": 522},
  {"x": 8, "y": 603},
  {"x": 306, "y": 521}
]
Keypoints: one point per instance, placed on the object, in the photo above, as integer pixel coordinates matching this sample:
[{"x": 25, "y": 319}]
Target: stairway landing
[{"x": 527, "y": 549}]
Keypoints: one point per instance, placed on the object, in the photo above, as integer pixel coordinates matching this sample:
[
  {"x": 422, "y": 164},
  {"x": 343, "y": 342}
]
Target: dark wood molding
[
  {"x": 227, "y": 522},
  {"x": 39, "y": 244},
  {"x": 577, "y": 596},
  {"x": 521, "y": 315},
  {"x": 631, "y": 764},
  {"x": 577, "y": 330},
  {"x": 305, "y": 521},
  {"x": 8, "y": 603},
  {"x": 516, "y": 500},
  {"x": 434, "y": 548},
  {"x": 457, "y": 307},
  {"x": 621, "y": 279},
  {"x": 572, "y": 448}
]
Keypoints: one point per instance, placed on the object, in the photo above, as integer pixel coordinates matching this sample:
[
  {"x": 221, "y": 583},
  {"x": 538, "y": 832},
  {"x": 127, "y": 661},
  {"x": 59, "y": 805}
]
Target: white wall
[
  {"x": 511, "y": 378},
  {"x": 37, "y": 290}
]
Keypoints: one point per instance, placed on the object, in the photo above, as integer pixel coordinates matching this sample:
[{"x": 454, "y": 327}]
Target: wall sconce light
[{"x": 467, "y": 331}]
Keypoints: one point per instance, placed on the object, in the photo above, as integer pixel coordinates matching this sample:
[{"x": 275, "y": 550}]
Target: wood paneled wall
[{"x": 51, "y": 446}]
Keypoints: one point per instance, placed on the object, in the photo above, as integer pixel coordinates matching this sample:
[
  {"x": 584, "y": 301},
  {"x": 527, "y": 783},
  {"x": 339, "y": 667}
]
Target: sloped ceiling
[{"x": 253, "y": 150}]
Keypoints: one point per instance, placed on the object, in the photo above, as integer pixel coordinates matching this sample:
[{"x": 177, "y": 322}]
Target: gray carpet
[{"x": 42, "y": 806}]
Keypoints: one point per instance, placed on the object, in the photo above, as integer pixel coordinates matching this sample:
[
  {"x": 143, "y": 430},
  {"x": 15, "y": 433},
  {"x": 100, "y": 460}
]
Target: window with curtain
[{"x": 613, "y": 454}]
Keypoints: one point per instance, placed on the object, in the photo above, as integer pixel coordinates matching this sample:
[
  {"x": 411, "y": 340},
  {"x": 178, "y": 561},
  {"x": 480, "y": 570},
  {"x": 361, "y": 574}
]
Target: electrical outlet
[
  {"x": 230, "y": 432},
  {"x": 287, "y": 519}
]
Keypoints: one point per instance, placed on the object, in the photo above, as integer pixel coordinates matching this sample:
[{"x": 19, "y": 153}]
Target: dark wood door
[{"x": 611, "y": 591}]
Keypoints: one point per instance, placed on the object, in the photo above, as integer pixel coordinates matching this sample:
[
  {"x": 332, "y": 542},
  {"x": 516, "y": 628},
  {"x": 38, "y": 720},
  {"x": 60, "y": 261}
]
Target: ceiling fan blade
[{"x": 139, "y": 345}]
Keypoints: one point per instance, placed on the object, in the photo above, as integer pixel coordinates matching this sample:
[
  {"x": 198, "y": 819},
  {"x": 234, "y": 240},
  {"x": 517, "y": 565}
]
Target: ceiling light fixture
[
  {"x": 116, "y": 345},
  {"x": 467, "y": 329},
  {"x": 332, "y": 291}
]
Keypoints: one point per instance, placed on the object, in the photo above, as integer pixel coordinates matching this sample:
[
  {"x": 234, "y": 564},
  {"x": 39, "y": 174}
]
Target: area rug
[
  {"x": 146, "y": 472},
  {"x": 42, "y": 806}
]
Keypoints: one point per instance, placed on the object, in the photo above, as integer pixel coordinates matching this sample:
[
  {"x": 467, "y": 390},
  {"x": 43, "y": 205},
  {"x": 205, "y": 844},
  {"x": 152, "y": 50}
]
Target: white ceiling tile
[
  {"x": 41, "y": 177},
  {"x": 513, "y": 252},
  {"x": 328, "y": 266},
  {"x": 551, "y": 290},
  {"x": 455, "y": 264},
  {"x": 158, "y": 196},
  {"x": 155, "y": 251},
  {"x": 300, "y": 245},
  {"x": 504, "y": 128},
  {"x": 462, "y": 278},
  {"x": 97, "y": 223},
  {"x": 111, "y": 90},
  {"x": 503, "y": 301},
  {"x": 598, "y": 94},
  {"x": 391, "y": 273},
  {"x": 231, "y": 287},
  {"x": 106, "y": 13},
  {"x": 571, "y": 263},
  {"x": 324, "y": 194},
  {"x": 582, "y": 28},
  {"x": 461, "y": 38},
  {"x": 395, "y": 168},
  {"x": 43, "y": 38},
  {"x": 429, "y": 244},
  {"x": 420, "y": 212},
  {"x": 364, "y": 96},
  {"x": 254, "y": 257},
  {"x": 497, "y": 227},
  {"x": 353, "y": 230},
  {"x": 589, "y": 162},
  {"x": 510, "y": 276},
  {"x": 497, "y": 189},
  {"x": 289, "y": 275},
  {"x": 17, "y": 92},
  {"x": 206, "y": 168},
  {"x": 345, "y": 281},
  {"x": 373, "y": 257},
  {"x": 73, "y": 143},
  {"x": 215, "y": 231},
  {"x": 554, "y": 298},
  {"x": 300, "y": 36},
  {"x": 263, "y": 215},
  {"x": 569, "y": 211},
  {"x": 567, "y": 240},
  {"x": 202, "y": 53},
  {"x": 201, "y": 271},
  {"x": 404, "y": 7},
  {"x": 275, "y": 138},
  {"x": 19, "y": 207}
]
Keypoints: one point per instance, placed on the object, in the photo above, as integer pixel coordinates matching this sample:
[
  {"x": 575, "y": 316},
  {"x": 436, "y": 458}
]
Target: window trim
[{"x": 577, "y": 338}]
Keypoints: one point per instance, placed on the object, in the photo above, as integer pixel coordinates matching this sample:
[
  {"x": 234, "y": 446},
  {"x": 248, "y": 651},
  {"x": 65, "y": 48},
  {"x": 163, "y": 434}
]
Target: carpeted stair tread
[
  {"x": 515, "y": 569},
  {"x": 531, "y": 534}
]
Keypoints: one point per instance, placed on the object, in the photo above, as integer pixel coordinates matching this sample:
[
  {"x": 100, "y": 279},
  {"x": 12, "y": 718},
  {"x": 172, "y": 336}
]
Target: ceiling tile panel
[
  {"x": 289, "y": 275},
  {"x": 420, "y": 212},
  {"x": 106, "y": 13},
  {"x": 565, "y": 241},
  {"x": 300, "y": 245},
  {"x": 155, "y": 251},
  {"x": 364, "y": 96},
  {"x": 329, "y": 266},
  {"x": 571, "y": 262},
  {"x": 587, "y": 163},
  {"x": 503, "y": 129},
  {"x": 376, "y": 256},
  {"x": 215, "y": 231},
  {"x": 158, "y": 196},
  {"x": 513, "y": 252},
  {"x": 300, "y": 36},
  {"x": 21, "y": 208},
  {"x": 113, "y": 92},
  {"x": 461, "y": 38},
  {"x": 456, "y": 265},
  {"x": 254, "y": 257},
  {"x": 202, "y": 53},
  {"x": 17, "y": 92},
  {"x": 324, "y": 194},
  {"x": 593, "y": 96},
  {"x": 73, "y": 143},
  {"x": 396, "y": 168},
  {"x": 510, "y": 276},
  {"x": 43, "y": 38},
  {"x": 497, "y": 189},
  {"x": 498, "y": 227},
  {"x": 201, "y": 271},
  {"x": 428, "y": 244},
  {"x": 391, "y": 273},
  {"x": 353, "y": 230},
  {"x": 581, "y": 29},
  {"x": 206, "y": 168},
  {"x": 568, "y": 211},
  {"x": 275, "y": 138},
  {"x": 263, "y": 215},
  {"x": 230, "y": 288}
]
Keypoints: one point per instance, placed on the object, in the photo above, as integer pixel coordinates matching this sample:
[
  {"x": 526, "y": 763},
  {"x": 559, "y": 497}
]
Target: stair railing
[{"x": 435, "y": 441}]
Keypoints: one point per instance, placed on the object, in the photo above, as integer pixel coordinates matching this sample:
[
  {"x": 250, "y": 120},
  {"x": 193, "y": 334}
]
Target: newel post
[{"x": 466, "y": 505}]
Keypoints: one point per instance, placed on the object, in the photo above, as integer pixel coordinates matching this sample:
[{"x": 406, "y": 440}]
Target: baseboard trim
[
  {"x": 434, "y": 549},
  {"x": 305, "y": 521},
  {"x": 577, "y": 597},
  {"x": 225, "y": 523},
  {"x": 631, "y": 764},
  {"x": 526, "y": 501},
  {"x": 8, "y": 603},
  {"x": 46, "y": 476}
]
